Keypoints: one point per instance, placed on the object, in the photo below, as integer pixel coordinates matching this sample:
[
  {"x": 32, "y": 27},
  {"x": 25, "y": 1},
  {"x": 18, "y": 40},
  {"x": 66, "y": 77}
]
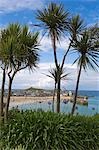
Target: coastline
[{"x": 19, "y": 100}]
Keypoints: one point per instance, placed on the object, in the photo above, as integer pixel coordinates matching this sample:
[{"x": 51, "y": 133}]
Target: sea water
[{"x": 91, "y": 109}]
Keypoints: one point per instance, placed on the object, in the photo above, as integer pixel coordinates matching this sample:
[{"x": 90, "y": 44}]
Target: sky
[{"x": 24, "y": 12}]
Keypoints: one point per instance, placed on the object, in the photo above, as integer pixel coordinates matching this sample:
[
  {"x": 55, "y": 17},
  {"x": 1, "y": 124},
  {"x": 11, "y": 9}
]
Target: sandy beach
[{"x": 18, "y": 100}]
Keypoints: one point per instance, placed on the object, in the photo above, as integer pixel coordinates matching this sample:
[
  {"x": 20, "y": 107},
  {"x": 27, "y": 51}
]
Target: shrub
[
  {"x": 50, "y": 131},
  {"x": 17, "y": 148}
]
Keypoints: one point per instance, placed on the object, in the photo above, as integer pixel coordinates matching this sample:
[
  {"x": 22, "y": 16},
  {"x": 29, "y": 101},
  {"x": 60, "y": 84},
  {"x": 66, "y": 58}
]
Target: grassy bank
[{"x": 50, "y": 131}]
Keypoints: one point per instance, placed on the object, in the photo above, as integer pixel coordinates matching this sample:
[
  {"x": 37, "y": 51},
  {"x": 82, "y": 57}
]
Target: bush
[
  {"x": 17, "y": 148},
  {"x": 50, "y": 131}
]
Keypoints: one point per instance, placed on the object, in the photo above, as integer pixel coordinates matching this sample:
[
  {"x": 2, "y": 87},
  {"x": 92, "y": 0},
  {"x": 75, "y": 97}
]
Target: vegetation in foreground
[
  {"x": 49, "y": 131},
  {"x": 19, "y": 48}
]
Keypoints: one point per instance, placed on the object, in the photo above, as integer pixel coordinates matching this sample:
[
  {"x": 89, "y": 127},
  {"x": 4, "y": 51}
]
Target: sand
[{"x": 18, "y": 100}]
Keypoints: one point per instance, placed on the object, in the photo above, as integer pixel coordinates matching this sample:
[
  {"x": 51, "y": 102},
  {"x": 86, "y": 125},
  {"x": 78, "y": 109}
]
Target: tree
[
  {"x": 54, "y": 20},
  {"x": 88, "y": 57},
  {"x": 54, "y": 75},
  {"x": 20, "y": 52},
  {"x": 75, "y": 27},
  {"x": 3, "y": 67}
]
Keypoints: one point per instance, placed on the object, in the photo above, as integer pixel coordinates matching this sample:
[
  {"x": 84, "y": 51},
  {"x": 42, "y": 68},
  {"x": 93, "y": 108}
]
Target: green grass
[{"x": 50, "y": 131}]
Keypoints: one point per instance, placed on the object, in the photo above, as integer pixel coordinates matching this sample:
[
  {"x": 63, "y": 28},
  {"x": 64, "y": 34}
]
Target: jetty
[{"x": 83, "y": 100}]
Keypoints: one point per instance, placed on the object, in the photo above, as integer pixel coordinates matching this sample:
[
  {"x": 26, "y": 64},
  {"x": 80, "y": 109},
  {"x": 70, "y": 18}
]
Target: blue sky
[{"x": 24, "y": 12}]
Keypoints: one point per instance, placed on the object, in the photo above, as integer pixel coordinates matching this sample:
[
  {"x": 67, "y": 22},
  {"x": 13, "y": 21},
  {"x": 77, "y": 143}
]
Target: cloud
[
  {"x": 46, "y": 44},
  {"x": 15, "y": 5},
  {"x": 25, "y": 79}
]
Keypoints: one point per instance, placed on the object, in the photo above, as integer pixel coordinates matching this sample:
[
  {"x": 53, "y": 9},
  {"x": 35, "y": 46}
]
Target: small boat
[
  {"x": 49, "y": 103},
  {"x": 65, "y": 101},
  {"x": 93, "y": 108}
]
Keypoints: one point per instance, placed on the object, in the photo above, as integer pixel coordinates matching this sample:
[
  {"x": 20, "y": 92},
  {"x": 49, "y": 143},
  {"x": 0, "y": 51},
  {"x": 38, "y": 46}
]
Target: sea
[{"x": 91, "y": 109}]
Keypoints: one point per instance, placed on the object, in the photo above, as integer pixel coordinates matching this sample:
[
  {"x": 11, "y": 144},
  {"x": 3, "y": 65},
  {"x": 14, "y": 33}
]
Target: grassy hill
[{"x": 33, "y": 89}]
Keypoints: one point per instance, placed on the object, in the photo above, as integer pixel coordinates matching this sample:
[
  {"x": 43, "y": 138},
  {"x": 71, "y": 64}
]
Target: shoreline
[{"x": 19, "y": 100}]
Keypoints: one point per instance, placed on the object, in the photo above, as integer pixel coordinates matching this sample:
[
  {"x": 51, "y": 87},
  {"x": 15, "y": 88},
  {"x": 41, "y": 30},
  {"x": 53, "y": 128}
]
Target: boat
[
  {"x": 49, "y": 103},
  {"x": 65, "y": 101}
]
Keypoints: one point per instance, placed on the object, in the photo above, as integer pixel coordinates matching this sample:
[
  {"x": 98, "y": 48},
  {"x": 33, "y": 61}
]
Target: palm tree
[
  {"x": 54, "y": 75},
  {"x": 75, "y": 27},
  {"x": 54, "y": 20},
  {"x": 19, "y": 52},
  {"x": 3, "y": 67},
  {"x": 88, "y": 57}
]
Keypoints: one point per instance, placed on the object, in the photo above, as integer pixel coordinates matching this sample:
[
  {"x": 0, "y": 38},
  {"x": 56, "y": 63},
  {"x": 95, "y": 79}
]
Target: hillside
[{"x": 33, "y": 89}]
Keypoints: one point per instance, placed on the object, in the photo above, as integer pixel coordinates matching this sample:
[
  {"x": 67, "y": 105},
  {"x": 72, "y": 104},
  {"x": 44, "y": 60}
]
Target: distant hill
[{"x": 35, "y": 89}]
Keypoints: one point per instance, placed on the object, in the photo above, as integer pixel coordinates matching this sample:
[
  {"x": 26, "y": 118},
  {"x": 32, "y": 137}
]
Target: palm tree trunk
[
  {"x": 58, "y": 96},
  {"x": 56, "y": 63},
  {"x": 9, "y": 92},
  {"x": 53, "y": 97},
  {"x": 2, "y": 94},
  {"x": 54, "y": 48},
  {"x": 8, "y": 99},
  {"x": 76, "y": 91},
  {"x": 65, "y": 55}
]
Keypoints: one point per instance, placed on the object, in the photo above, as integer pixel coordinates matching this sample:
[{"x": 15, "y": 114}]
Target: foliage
[
  {"x": 18, "y": 47},
  {"x": 76, "y": 26},
  {"x": 88, "y": 54},
  {"x": 54, "y": 74},
  {"x": 18, "y": 50},
  {"x": 17, "y": 148},
  {"x": 47, "y": 130},
  {"x": 54, "y": 20}
]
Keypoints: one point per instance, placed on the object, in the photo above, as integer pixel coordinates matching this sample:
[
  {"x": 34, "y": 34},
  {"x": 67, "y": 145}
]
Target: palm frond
[
  {"x": 19, "y": 47},
  {"x": 88, "y": 54},
  {"x": 54, "y": 19},
  {"x": 76, "y": 26}
]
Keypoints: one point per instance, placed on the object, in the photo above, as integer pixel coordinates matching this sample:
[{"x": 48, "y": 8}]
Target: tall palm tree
[
  {"x": 54, "y": 75},
  {"x": 3, "y": 67},
  {"x": 19, "y": 52},
  {"x": 88, "y": 57},
  {"x": 75, "y": 27},
  {"x": 54, "y": 20}
]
